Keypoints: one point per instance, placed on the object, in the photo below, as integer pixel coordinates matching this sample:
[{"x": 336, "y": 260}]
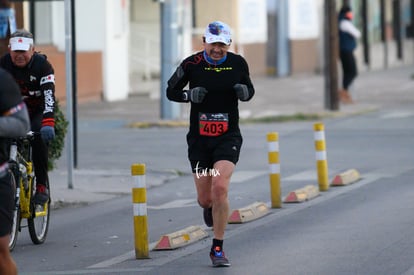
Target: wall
[
  {"x": 89, "y": 86},
  {"x": 255, "y": 55},
  {"x": 304, "y": 31},
  {"x": 304, "y": 56},
  {"x": 101, "y": 44},
  {"x": 144, "y": 48},
  {"x": 116, "y": 54}
]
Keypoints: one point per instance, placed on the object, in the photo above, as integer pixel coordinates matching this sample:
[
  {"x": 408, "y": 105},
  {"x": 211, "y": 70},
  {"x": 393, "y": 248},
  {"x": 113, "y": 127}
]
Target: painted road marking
[
  {"x": 241, "y": 176},
  {"x": 305, "y": 175},
  {"x": 175, "y": 204}
]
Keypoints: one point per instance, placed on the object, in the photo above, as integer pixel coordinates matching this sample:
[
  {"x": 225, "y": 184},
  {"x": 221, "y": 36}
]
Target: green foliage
[{"x": 57, "y": 145}]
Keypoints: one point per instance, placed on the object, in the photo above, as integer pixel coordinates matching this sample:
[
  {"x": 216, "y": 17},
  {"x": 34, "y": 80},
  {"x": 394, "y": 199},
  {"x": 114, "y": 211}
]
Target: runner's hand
[
  {"x": 196, "y": 94},
  {"x": 242, "y": 91}
]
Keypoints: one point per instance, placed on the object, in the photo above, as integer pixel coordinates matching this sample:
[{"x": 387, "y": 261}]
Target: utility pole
[
  {"x": 365, "y": 32},
  {"x": 331, "y": 56},
  {"x": 74, "y": 84},
  {"x": 69, "y": 91},
  {"x": 169, "y": 52},
  {"x": 384, "y": 38}
]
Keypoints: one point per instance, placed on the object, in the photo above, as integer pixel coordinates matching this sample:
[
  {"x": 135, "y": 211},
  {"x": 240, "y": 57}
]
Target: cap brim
[
  {"x": 216, "y": 39},
  {"x": 19, "y": 47}
]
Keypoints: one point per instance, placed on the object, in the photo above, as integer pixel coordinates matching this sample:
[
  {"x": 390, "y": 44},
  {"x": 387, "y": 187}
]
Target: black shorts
[
  {"x": 6, "y": 205},
  {"x": 203, "y": 151}
]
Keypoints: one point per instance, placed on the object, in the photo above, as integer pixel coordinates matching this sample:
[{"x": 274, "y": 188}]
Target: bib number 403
[
  {"x": 214, "y": 128},
  {"x": 213, "y": 124}
]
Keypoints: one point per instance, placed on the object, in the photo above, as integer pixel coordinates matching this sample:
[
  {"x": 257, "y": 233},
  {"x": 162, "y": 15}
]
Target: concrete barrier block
[
  {"x": 345, "y": 178},
  {"x": 181, "y": 238},
  {"x": 249, "y": 213},
  {"x": 303, "y": 194}
]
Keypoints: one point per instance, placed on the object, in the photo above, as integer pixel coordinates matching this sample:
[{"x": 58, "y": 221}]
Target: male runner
[{"x": 217, "y": 80}]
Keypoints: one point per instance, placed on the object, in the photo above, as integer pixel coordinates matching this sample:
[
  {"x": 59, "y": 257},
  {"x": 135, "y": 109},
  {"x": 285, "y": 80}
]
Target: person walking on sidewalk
[
  {"x": 217, "y": 79},
  {"x": 14, "y": 122},
  {"x": 348, "y": 34},
  {"x": 35, "y": 76}
]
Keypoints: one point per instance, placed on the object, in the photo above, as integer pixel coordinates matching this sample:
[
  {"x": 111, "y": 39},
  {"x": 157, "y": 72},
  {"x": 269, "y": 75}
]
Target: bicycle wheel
[
  {"x": 16, "y": 219},
  {"x": 39, "y": 222}
]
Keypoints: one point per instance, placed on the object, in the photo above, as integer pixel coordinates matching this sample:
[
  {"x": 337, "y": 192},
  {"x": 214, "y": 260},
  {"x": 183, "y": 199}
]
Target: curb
[{"x": 161, "y": 123}]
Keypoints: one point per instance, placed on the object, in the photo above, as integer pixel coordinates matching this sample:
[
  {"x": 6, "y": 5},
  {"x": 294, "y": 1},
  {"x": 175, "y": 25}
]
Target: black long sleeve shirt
[
  {"x": 218, "y": 80},
  {"x": 37, "y": 85}
]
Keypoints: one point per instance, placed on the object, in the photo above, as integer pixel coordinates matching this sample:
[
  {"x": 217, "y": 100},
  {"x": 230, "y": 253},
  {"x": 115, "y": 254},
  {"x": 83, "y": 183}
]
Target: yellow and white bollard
[
  {"x": 274, "y": 167},
  {"x": 321, "y": 159},
  {"x": 139, "y": 200}
]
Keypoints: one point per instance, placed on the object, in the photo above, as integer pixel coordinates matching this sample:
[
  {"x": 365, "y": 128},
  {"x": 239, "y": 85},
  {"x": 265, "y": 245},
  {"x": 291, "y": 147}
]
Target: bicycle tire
[
  {"x": 39, "y": 222},
  {"x": 16, "y": 219},
  {"x": 39, "y": 226}
]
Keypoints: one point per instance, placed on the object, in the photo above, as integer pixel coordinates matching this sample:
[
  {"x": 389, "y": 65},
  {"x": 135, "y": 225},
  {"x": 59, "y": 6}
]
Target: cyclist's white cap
[
  {"x": 217, "y": 31},
  {"x": 21, "y": 40}
]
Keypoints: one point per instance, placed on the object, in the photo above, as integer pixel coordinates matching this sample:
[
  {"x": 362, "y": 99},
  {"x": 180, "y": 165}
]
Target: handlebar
[{"x": 29, "y": 136}]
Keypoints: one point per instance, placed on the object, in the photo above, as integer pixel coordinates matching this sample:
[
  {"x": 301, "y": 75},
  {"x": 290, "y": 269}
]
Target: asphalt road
[{"x": 364, "y": 228}]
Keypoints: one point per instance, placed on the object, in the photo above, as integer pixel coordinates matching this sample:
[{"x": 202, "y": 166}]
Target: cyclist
[
  {"x": 35, "y": 76},
  {"x": 14, "y": 122},
  {"x": 217, "y": 80}
]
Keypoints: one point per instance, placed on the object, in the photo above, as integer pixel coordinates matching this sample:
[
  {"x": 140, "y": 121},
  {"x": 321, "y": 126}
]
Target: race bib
[{"x": 213, "y": 124}]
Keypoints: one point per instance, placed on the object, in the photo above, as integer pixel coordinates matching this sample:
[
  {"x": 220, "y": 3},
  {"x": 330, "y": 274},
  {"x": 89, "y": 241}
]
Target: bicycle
[{"x": 24, "y": 180}]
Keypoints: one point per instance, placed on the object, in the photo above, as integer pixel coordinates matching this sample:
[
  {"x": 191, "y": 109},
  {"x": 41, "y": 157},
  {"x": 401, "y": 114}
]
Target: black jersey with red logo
[
  {"x": 220, "y": 105},
  {"x": 37, "y": 85}
]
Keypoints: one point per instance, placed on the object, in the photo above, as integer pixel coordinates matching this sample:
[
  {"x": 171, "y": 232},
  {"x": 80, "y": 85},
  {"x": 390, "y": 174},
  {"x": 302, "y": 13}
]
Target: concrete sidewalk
[{"x": 392, "y": 88}]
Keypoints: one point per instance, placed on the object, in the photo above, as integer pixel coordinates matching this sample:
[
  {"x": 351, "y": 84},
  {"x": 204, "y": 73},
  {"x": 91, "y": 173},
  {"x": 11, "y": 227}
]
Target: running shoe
[
  {"x": 218, "y": 259},
  {"x": 208, "y": 216},
  {"x": 42, "y": 194}
]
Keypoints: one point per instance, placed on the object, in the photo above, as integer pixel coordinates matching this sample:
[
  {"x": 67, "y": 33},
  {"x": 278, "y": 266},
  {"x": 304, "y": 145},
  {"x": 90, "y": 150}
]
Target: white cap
[
  {"x": 20, "y": 43},
  {"x": 218, "y": 32}
]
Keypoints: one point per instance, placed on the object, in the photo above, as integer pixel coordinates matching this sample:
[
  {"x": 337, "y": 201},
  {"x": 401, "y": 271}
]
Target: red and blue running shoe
[{"x": 218, "y": 259}]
